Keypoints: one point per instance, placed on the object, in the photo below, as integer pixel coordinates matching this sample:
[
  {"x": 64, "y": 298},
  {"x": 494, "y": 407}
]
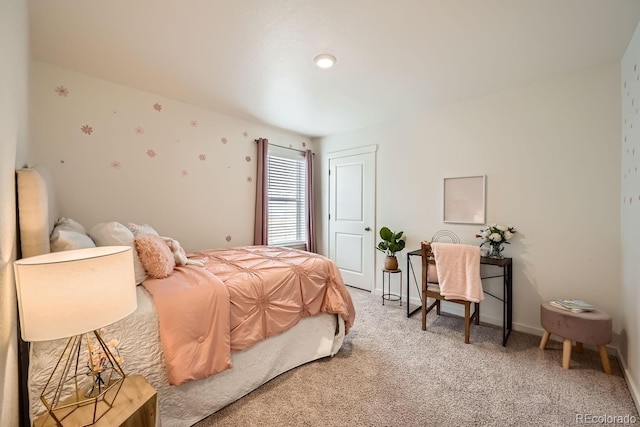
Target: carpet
[{"x": 391, "y": 373}]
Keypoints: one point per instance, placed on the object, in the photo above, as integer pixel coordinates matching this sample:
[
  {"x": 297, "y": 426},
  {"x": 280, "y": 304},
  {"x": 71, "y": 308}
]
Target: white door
[{"x": 351, "y": 215}]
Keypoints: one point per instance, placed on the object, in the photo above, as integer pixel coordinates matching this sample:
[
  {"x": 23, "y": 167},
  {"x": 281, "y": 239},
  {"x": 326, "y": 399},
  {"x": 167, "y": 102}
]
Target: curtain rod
[{"x": 286, "y": 148}]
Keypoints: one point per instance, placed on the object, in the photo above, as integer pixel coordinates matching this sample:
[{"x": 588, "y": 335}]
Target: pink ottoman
[{"x": 590, "y": 327}]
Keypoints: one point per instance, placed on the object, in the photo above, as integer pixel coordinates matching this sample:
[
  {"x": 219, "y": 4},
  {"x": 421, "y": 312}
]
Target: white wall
[
  {"x": 551, "y": 154},
  {"x": 188, "y": 172},
  {"x": 14, "y": 71},
  {"x": 630, "y": 216}
]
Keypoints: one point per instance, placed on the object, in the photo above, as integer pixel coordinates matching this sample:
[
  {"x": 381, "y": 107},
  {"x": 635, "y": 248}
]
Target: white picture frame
[{"x": 464, "y": 200}]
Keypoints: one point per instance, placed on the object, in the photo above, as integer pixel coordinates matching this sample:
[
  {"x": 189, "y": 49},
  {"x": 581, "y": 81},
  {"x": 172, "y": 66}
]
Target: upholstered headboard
[
  {"x": 36, "y": 210},
  {"x": 36, "y": 217}
]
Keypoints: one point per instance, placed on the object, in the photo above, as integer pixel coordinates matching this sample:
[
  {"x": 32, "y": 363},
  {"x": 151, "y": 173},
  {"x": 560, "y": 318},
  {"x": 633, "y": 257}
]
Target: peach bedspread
[{"x": 242, "y": 296}]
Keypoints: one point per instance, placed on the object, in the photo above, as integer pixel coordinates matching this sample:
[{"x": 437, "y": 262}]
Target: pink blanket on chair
[{"x": 458, "y": 268}]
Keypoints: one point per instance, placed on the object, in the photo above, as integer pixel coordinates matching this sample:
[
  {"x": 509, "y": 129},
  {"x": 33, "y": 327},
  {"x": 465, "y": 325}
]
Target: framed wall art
[{"x": 464, "y": 200}]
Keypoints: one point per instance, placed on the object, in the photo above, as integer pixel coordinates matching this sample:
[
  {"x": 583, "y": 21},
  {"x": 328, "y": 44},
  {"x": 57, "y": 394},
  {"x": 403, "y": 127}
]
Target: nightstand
[{"x": 135, "y": 406}]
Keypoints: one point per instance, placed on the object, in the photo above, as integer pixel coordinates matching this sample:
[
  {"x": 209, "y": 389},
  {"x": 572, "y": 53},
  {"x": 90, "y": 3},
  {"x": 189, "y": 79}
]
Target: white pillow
[
  {"x": 69, "y": 224},
  {"x": 115, "y": 234},
  {"x": 66, "y": 240},
  {"x": 141, "y": 229}
]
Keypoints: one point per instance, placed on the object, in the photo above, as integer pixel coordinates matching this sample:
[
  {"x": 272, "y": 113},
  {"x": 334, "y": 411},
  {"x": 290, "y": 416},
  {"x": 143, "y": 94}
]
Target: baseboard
[{"x": 633, "y": 387}]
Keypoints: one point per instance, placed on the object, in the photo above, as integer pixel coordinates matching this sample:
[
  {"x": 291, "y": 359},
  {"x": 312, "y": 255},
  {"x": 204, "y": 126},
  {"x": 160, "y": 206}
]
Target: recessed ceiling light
[{"x": 325, "y": 60}]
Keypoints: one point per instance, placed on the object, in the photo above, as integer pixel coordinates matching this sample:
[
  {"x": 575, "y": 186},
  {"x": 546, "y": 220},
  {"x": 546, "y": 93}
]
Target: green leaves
[{"x": 391, "y": 242}]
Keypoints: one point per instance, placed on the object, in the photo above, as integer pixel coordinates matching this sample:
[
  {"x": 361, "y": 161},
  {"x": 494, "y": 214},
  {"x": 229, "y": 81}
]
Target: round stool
[{"x": 589, "y": 327}]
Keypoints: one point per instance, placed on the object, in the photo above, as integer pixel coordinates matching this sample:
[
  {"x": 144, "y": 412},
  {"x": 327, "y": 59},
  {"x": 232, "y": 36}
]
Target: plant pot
[{"x": 391, "y": 263}]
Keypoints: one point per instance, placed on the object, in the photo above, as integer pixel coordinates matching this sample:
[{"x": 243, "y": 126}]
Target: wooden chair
[{"x": 431, "y": 289}]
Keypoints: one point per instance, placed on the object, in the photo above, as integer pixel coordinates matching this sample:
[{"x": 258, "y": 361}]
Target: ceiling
[{"x": 253, "y": 59}]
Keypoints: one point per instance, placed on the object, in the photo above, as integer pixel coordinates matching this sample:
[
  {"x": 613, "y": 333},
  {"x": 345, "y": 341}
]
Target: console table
[{"x": 506, "y": 264}]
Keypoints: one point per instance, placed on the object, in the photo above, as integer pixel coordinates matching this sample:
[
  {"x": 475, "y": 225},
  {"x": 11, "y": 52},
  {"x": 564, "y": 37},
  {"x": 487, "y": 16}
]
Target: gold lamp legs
[{"x": 86, "y": 378}]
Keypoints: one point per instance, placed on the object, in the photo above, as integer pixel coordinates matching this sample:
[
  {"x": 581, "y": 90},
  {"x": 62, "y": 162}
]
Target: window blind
[{"x": 286, "y": 185}]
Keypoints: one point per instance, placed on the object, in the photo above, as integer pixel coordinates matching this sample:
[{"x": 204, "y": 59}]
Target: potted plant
[{"x": 391, "y": 243}]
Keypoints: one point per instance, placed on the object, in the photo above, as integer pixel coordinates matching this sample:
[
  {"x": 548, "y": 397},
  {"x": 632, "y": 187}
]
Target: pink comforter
[{"x": 242, "y": 296}]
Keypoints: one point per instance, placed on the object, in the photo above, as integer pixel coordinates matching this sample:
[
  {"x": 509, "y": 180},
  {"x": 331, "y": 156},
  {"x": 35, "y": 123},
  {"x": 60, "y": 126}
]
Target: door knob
[{"x": 367, "y": 229}]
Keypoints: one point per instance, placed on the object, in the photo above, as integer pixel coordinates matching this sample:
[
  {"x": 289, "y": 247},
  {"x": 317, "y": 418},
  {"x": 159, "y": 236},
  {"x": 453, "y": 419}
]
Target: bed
[{"x": 317, "y": 333}]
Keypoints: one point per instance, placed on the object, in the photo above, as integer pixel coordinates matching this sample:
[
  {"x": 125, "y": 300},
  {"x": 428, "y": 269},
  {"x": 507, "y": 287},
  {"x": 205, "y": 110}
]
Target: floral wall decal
[
  {"x": 62, "y": 91},
  {"x": 186, "y": 174}
]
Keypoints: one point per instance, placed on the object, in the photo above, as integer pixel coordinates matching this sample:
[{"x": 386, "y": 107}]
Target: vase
[
  {"x": 495, "y": 251},
  {"x": 96, "y": 385},
  {"x": 390, "y": 263}
]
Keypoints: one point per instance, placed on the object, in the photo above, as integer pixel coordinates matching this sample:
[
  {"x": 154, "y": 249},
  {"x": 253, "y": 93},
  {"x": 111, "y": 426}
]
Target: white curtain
[{"x": 14, "y": 79}]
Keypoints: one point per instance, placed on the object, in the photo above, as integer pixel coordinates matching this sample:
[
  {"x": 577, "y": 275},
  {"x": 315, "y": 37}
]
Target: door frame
[{"x": 368, "y": 149}]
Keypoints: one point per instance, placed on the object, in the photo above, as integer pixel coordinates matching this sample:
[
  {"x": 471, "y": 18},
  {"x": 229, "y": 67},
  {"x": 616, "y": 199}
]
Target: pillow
[
  {"x": 69, "y": 224},
  {"x": 66, "y": 240},
  {"x": 155, "y": 255},
  {"x": 115, "y": 234},
  {"x": 140, "y": 229}
]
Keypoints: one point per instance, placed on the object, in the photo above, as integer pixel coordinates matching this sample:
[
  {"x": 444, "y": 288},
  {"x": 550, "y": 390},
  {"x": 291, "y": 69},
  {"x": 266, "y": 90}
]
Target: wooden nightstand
[{"x": 135, "y": 406}]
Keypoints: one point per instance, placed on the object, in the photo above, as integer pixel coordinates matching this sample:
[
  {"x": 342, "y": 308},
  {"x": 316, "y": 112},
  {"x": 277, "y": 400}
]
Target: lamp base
[{"x": 86, "y": 378}]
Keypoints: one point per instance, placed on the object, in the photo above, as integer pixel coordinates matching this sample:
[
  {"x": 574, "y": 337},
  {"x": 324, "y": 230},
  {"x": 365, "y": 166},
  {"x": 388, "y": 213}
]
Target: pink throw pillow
[{"x": 155, "y": 255}]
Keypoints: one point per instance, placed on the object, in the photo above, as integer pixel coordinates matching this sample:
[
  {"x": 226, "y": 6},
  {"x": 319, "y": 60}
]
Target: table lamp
[{"x": 72, "y": 294}]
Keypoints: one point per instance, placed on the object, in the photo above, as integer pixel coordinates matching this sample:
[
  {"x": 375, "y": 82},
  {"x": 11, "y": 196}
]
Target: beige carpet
[{"x": 391, "y": 373}]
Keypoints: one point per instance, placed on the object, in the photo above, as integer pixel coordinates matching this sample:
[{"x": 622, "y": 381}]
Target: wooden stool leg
[
  {"x": 544, "y": 340},
  {"x": 566, "y": 353},
  {"x": 605, "y": 358},
  {"x": 579, "y": 348}
]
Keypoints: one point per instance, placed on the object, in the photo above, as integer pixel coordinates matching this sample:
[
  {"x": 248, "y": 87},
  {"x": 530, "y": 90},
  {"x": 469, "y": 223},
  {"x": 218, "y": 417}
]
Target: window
[{"x": 286, "y": 186}]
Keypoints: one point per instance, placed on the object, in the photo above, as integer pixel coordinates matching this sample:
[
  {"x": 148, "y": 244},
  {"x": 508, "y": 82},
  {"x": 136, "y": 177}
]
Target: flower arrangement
[
  {"x": 495, "y": 236},
  {"x": 98, "y": 361}
]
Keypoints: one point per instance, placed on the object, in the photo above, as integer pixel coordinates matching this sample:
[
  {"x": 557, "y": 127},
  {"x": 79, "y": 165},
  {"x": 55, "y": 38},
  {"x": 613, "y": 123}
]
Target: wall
[
  {"x": 14, "y": 69},
  {"x": 630, "y": 216},
  {"x": 551, "y": 156},
  {"x": 121, "y": 154}
]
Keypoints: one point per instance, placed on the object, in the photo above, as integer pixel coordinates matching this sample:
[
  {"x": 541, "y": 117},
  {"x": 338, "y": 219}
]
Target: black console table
[{"x": 507, "y": 291}]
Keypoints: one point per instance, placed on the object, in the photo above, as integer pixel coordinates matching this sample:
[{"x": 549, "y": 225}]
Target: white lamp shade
[{"x": 68, "y": 293}]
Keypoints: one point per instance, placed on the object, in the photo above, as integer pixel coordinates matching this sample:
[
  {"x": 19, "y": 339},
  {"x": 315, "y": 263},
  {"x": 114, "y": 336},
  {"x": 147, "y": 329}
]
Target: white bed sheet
[{"x": 312, "y": 338}]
